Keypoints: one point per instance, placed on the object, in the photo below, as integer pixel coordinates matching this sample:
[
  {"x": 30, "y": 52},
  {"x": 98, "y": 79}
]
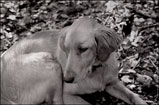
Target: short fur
[
  {"x": 86, "y": 52},
  {"x": 91, "y": 63},
  {"x": 30, "y": 73}
]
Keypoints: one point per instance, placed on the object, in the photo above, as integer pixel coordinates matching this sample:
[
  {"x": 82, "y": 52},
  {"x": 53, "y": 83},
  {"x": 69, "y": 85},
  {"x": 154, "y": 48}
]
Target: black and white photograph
[{"x": 79, "y": 52}]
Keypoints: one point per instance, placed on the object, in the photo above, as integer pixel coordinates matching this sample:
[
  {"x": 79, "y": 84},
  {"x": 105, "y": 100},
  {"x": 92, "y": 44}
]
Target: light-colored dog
[
  {"x": 86, "y": 51},
  {"x": 91, "y": 64}
]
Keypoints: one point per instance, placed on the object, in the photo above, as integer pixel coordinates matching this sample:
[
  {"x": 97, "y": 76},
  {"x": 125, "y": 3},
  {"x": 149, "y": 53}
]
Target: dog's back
[{"x": 45, "y": 41}]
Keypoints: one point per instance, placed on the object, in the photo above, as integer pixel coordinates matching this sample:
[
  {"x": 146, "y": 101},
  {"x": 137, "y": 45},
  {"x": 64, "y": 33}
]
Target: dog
[
  {"x": 86, "y": 52},
  {"x": 91, "y": 64}
]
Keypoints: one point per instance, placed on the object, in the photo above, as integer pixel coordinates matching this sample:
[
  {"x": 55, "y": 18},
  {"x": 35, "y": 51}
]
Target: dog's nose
[
  {"x": 69, "y": 80},
  {"x": 69, "y": 77}
]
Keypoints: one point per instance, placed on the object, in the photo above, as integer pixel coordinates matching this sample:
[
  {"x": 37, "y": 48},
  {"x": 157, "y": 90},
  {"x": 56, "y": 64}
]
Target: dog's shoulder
[{"x": 45, "y": 34}]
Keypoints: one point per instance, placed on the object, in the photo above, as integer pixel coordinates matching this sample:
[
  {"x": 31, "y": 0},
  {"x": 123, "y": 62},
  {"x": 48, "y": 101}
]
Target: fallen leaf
[
  {"x": 111, "y": 5},
  {"x": 12, "y": 17},
  {"x": 144, "y": 79},
  {"x": 9, "y": 5},
  {"x": 126, "y": 79},
  {"x": 8, "y": 34},
  {"x": 156, "y": 78},
  {"x": 131, "y": 86}
]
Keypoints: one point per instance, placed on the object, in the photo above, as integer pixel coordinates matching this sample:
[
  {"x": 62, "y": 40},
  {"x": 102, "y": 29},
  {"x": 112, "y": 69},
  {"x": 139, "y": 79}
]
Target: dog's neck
[{"x": 97, "y": 64}]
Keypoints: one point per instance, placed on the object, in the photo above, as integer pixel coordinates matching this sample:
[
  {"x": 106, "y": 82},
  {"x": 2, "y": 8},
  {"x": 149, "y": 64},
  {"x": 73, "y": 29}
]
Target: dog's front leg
[
  {"x": 86, "y": 86},
  {"x": 79, "y": 89},
  {"x": 117, "y": 89}
]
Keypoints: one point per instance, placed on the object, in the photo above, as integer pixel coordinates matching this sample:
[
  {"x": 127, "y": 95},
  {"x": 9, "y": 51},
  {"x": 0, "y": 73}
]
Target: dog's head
[{"x": 85, "y": 43}]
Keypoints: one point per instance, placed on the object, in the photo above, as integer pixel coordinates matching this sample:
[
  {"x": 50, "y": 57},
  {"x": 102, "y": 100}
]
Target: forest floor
[{"x": 136, "y": 22}]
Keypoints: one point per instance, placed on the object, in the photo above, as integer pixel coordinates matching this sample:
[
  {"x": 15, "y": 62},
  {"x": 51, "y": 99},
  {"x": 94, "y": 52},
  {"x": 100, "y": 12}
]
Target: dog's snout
[
  {"x": 69, "y": 80},
  {"x": 69, "y": 77}
]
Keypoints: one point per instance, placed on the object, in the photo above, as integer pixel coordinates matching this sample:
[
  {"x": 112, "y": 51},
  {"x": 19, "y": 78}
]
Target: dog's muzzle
[{"x": 69, "y": 76}]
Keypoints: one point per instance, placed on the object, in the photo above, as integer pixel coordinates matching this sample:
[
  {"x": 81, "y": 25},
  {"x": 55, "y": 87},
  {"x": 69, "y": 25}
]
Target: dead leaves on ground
[{"x": 134, "y": 21}]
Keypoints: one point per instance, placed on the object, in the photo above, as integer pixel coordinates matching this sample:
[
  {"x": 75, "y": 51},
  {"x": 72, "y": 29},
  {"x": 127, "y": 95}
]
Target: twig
[
  {"x": 143, "y": 14},
  {"x": 149, "y": 26},
  {"x": 137, "y": 63},
  {"x": 153, "y": 64}
]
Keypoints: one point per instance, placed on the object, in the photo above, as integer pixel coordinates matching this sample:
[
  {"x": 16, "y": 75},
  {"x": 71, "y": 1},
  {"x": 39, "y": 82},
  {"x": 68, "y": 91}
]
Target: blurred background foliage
[{"x": 136, "y": 21}]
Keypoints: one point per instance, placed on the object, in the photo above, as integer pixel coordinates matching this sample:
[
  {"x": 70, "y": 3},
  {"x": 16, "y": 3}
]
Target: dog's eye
[{"x": 81, "y": 50}]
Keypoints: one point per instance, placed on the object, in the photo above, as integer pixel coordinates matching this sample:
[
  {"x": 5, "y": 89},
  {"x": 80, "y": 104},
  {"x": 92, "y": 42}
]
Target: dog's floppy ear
[
  {"x": 63, "y": 33},
  {"x": 107, "y": 41}
]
